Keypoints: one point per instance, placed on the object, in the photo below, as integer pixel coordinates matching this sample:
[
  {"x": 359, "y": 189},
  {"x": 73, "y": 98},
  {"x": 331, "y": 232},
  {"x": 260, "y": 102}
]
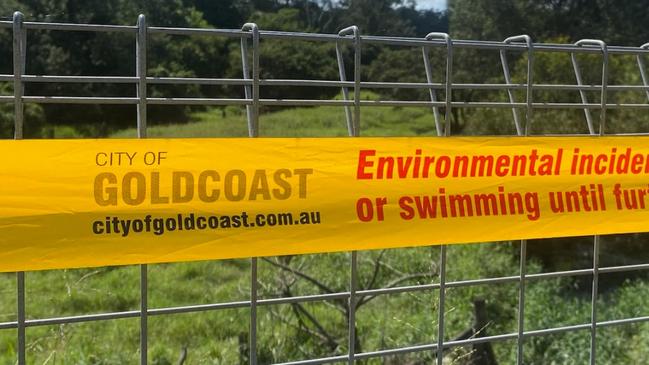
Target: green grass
[
  {"x": 385, "y": 322},
  {"x": 298, "y": 122}
]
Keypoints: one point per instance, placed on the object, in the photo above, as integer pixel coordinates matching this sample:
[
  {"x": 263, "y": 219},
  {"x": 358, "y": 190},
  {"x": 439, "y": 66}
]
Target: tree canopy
[{"x": 90, "y": 53}]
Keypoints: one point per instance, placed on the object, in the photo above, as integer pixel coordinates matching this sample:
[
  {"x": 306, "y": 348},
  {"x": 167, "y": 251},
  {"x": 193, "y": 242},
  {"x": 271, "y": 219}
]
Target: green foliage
[
  {"x": 283, "y": 59},
  {"x": 546, "y": 19},
  {"x": 91, "y": 53},
  {"x": 378, "y": 17},
  {"x": 34, "y": 117}
]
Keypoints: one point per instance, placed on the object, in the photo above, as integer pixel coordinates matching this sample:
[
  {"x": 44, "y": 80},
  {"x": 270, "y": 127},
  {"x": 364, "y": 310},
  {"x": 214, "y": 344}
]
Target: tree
[
  {"x": 497, "y": 19},
  {"x": 105, "y": 54},
  {"x": 289, "y": 59},
  {"x": 375, "y": 17},
  {"x": 97, "y": 53}
]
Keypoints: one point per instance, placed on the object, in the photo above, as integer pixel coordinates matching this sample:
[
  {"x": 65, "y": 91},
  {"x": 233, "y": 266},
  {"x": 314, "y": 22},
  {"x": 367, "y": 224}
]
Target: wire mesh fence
[{"x": 515, "y": 93}]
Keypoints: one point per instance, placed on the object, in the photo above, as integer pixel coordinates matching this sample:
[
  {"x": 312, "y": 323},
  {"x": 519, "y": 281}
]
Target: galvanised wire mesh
[{"x": 444, "y": 98}]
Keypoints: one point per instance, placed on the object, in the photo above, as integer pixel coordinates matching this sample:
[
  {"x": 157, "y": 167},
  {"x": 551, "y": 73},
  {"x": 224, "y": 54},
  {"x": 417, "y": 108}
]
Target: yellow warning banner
[{"x": 82, "y": 203}]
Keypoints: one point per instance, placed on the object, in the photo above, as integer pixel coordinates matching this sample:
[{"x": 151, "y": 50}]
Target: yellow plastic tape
[{"x": 82, "y": 203}]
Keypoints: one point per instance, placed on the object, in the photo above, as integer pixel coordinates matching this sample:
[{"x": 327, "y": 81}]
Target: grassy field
[
  {"x": 299, "y": 122},
  {"x": 389, "y": 321}
]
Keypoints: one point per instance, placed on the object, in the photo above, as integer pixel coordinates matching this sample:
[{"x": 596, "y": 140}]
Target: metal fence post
[
  {"x": 140, "y": 71},
  {"x": 448, "y": 88},
  {"x": 345, "y": 90},
  {"x": 252, "y": 110},
  {"x": 20, "y": 284},
  {"x": 253, "y": 131},
  {"x": 144, "y": 309},
  {"x": 520, "y": 339},
  {"x": 19, "y": 58},
  {"x": 441, "y": 305},
  {"x": 140, "y": 60},
  {"x": 353, "y": 30},
  {"x": 353, "y": 129},
  {"x": 247, "y": 88},
  {"x": 432, "y": 92},
  {"x": 521, "y": 131},
  {"x": 602, "y": 45},
  {"x": 253, "y": 311},
  {"x": 582, "y": 93},
  {"x": 596, "y": 239},
  {"x": 508, "y": 81},
  {"x": 593, "y": 312},
  {"x": 447, "y": 133},
  {"x": 641, "y": 66},
  {"x": 353, "y": 284}
]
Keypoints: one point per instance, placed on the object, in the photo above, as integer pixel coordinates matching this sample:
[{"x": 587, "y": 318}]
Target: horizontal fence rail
[
  {"x": 351, "y": 85},
  {"x": 345, "y": 39}
]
